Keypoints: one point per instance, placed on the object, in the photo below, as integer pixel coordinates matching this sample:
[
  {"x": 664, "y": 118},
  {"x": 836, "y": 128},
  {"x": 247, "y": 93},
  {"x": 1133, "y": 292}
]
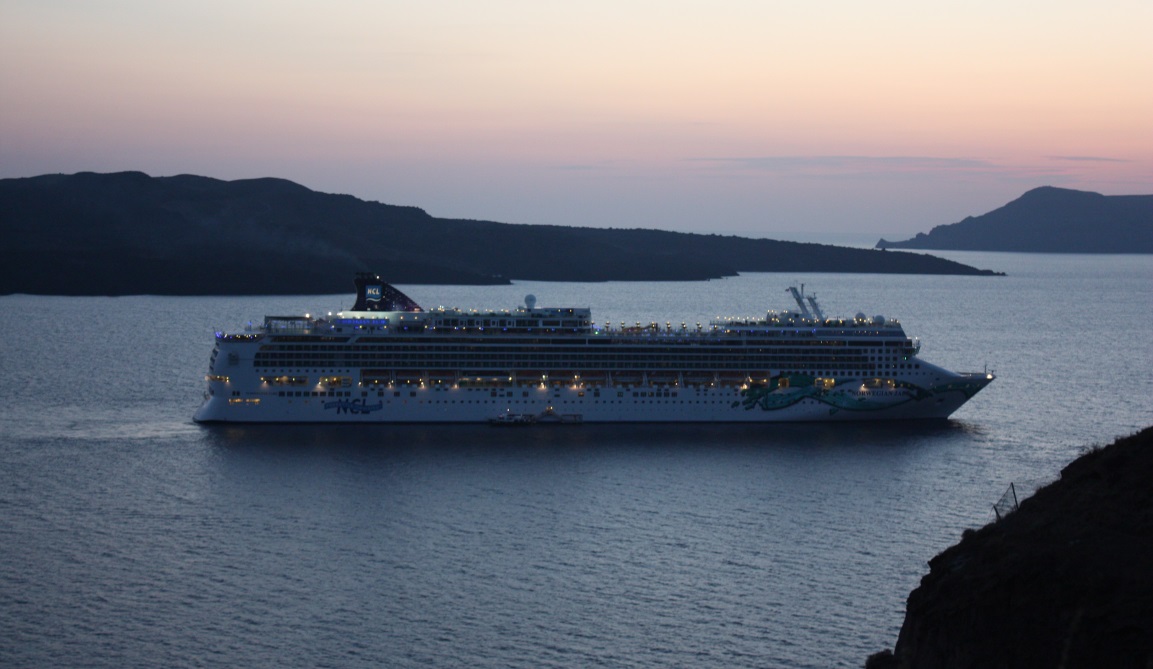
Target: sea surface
[{"x": 132, "y": 537}]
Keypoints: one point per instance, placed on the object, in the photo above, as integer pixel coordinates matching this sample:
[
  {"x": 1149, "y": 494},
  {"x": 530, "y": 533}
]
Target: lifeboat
[
  {"x": 564, "y": 376},
  {"x": 732, "y": 378},
  {"x": 409, "y": 376},
  {"x": 375, "y": 376},
  {"x": 628, "y": 378}
]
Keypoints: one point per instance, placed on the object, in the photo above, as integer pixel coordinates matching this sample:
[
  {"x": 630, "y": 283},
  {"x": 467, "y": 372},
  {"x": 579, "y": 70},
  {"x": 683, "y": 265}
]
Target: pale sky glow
[{"x": 752, "y": 117}]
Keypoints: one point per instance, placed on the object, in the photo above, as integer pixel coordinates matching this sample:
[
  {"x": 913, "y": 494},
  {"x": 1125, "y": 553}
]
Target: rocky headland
[
  {"x": 1064, "y": 581},
  {"x": 1048, "y": 220}
]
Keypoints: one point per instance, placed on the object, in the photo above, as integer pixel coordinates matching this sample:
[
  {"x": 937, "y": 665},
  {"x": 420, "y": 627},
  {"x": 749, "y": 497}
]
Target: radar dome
[
  {"x": 861, "y": 315},
  {"x": 530, "y": 301},
  {"x": 879, "y": 320}
]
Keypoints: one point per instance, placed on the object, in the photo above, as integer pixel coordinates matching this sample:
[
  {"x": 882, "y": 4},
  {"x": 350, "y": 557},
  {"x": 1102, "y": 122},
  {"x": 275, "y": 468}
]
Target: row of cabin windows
[
  {"x": 471, "y": 360},
  {"x": 579, "y": 346},
  {"x": 509, "y": 322}
]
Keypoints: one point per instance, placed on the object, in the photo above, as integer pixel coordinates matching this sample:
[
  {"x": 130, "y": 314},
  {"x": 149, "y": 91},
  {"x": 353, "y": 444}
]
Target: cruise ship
[{"x": 390, "y": 361}]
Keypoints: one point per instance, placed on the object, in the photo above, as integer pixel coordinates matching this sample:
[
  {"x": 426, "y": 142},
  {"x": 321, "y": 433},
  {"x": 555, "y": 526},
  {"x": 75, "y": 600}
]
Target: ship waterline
[{"x": 389, "y": 360}]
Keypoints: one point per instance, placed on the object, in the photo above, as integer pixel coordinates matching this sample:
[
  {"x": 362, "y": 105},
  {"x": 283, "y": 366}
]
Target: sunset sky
[{"x": 752, "y": 117}]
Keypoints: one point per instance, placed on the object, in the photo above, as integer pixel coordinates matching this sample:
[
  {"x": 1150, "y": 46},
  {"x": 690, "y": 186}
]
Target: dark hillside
[
  {"x": 1065, "y": 581},
  {"x": 129, "y": 233}
]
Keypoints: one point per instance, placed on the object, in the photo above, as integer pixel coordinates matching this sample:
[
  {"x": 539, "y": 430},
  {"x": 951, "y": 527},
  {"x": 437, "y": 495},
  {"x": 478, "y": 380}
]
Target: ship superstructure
[{"x": 389, "y": 360}]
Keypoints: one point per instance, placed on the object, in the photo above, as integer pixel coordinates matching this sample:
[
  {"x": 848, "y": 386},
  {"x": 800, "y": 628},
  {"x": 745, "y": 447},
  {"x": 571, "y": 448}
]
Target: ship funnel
[{"x": 372, "y": 294}]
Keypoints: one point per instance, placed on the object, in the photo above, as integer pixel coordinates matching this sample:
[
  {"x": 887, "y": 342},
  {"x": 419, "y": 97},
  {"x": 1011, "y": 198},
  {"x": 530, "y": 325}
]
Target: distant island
[
  {"x": 1049, "y": 220},
  {"x": 129, "y": 233}
]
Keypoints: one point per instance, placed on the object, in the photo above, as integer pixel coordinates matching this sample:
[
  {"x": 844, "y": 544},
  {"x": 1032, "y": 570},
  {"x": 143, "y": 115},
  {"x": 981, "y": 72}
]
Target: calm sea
[{"x": 130, "y": 536}]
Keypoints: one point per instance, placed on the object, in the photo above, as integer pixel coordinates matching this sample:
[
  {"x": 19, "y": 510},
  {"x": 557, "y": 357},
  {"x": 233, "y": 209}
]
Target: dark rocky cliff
[
  {"x": 1065, "y": 581},
  {"x": 129, "y": 233},
  {"x": 1049, "y": 220}
]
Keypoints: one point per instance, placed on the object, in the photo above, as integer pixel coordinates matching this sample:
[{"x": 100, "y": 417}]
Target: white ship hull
[
  {"x": 446, "y": 404},
  {"x": 389, "y": 361}
]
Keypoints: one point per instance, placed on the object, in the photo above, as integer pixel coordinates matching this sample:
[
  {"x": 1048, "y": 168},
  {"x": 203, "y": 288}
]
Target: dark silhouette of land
[
  {"x": 1049, "y": 220},
  {"x": 1065, "y": 581},
  {"x": 129, "y": 233}
]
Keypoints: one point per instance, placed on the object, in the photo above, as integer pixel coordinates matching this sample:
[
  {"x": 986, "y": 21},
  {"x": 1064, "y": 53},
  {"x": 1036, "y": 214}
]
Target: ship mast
[
  {"x": 816, "y": 309},
  {"x": 812, "y": 310},
  {"x": 799, "y": 296}
]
